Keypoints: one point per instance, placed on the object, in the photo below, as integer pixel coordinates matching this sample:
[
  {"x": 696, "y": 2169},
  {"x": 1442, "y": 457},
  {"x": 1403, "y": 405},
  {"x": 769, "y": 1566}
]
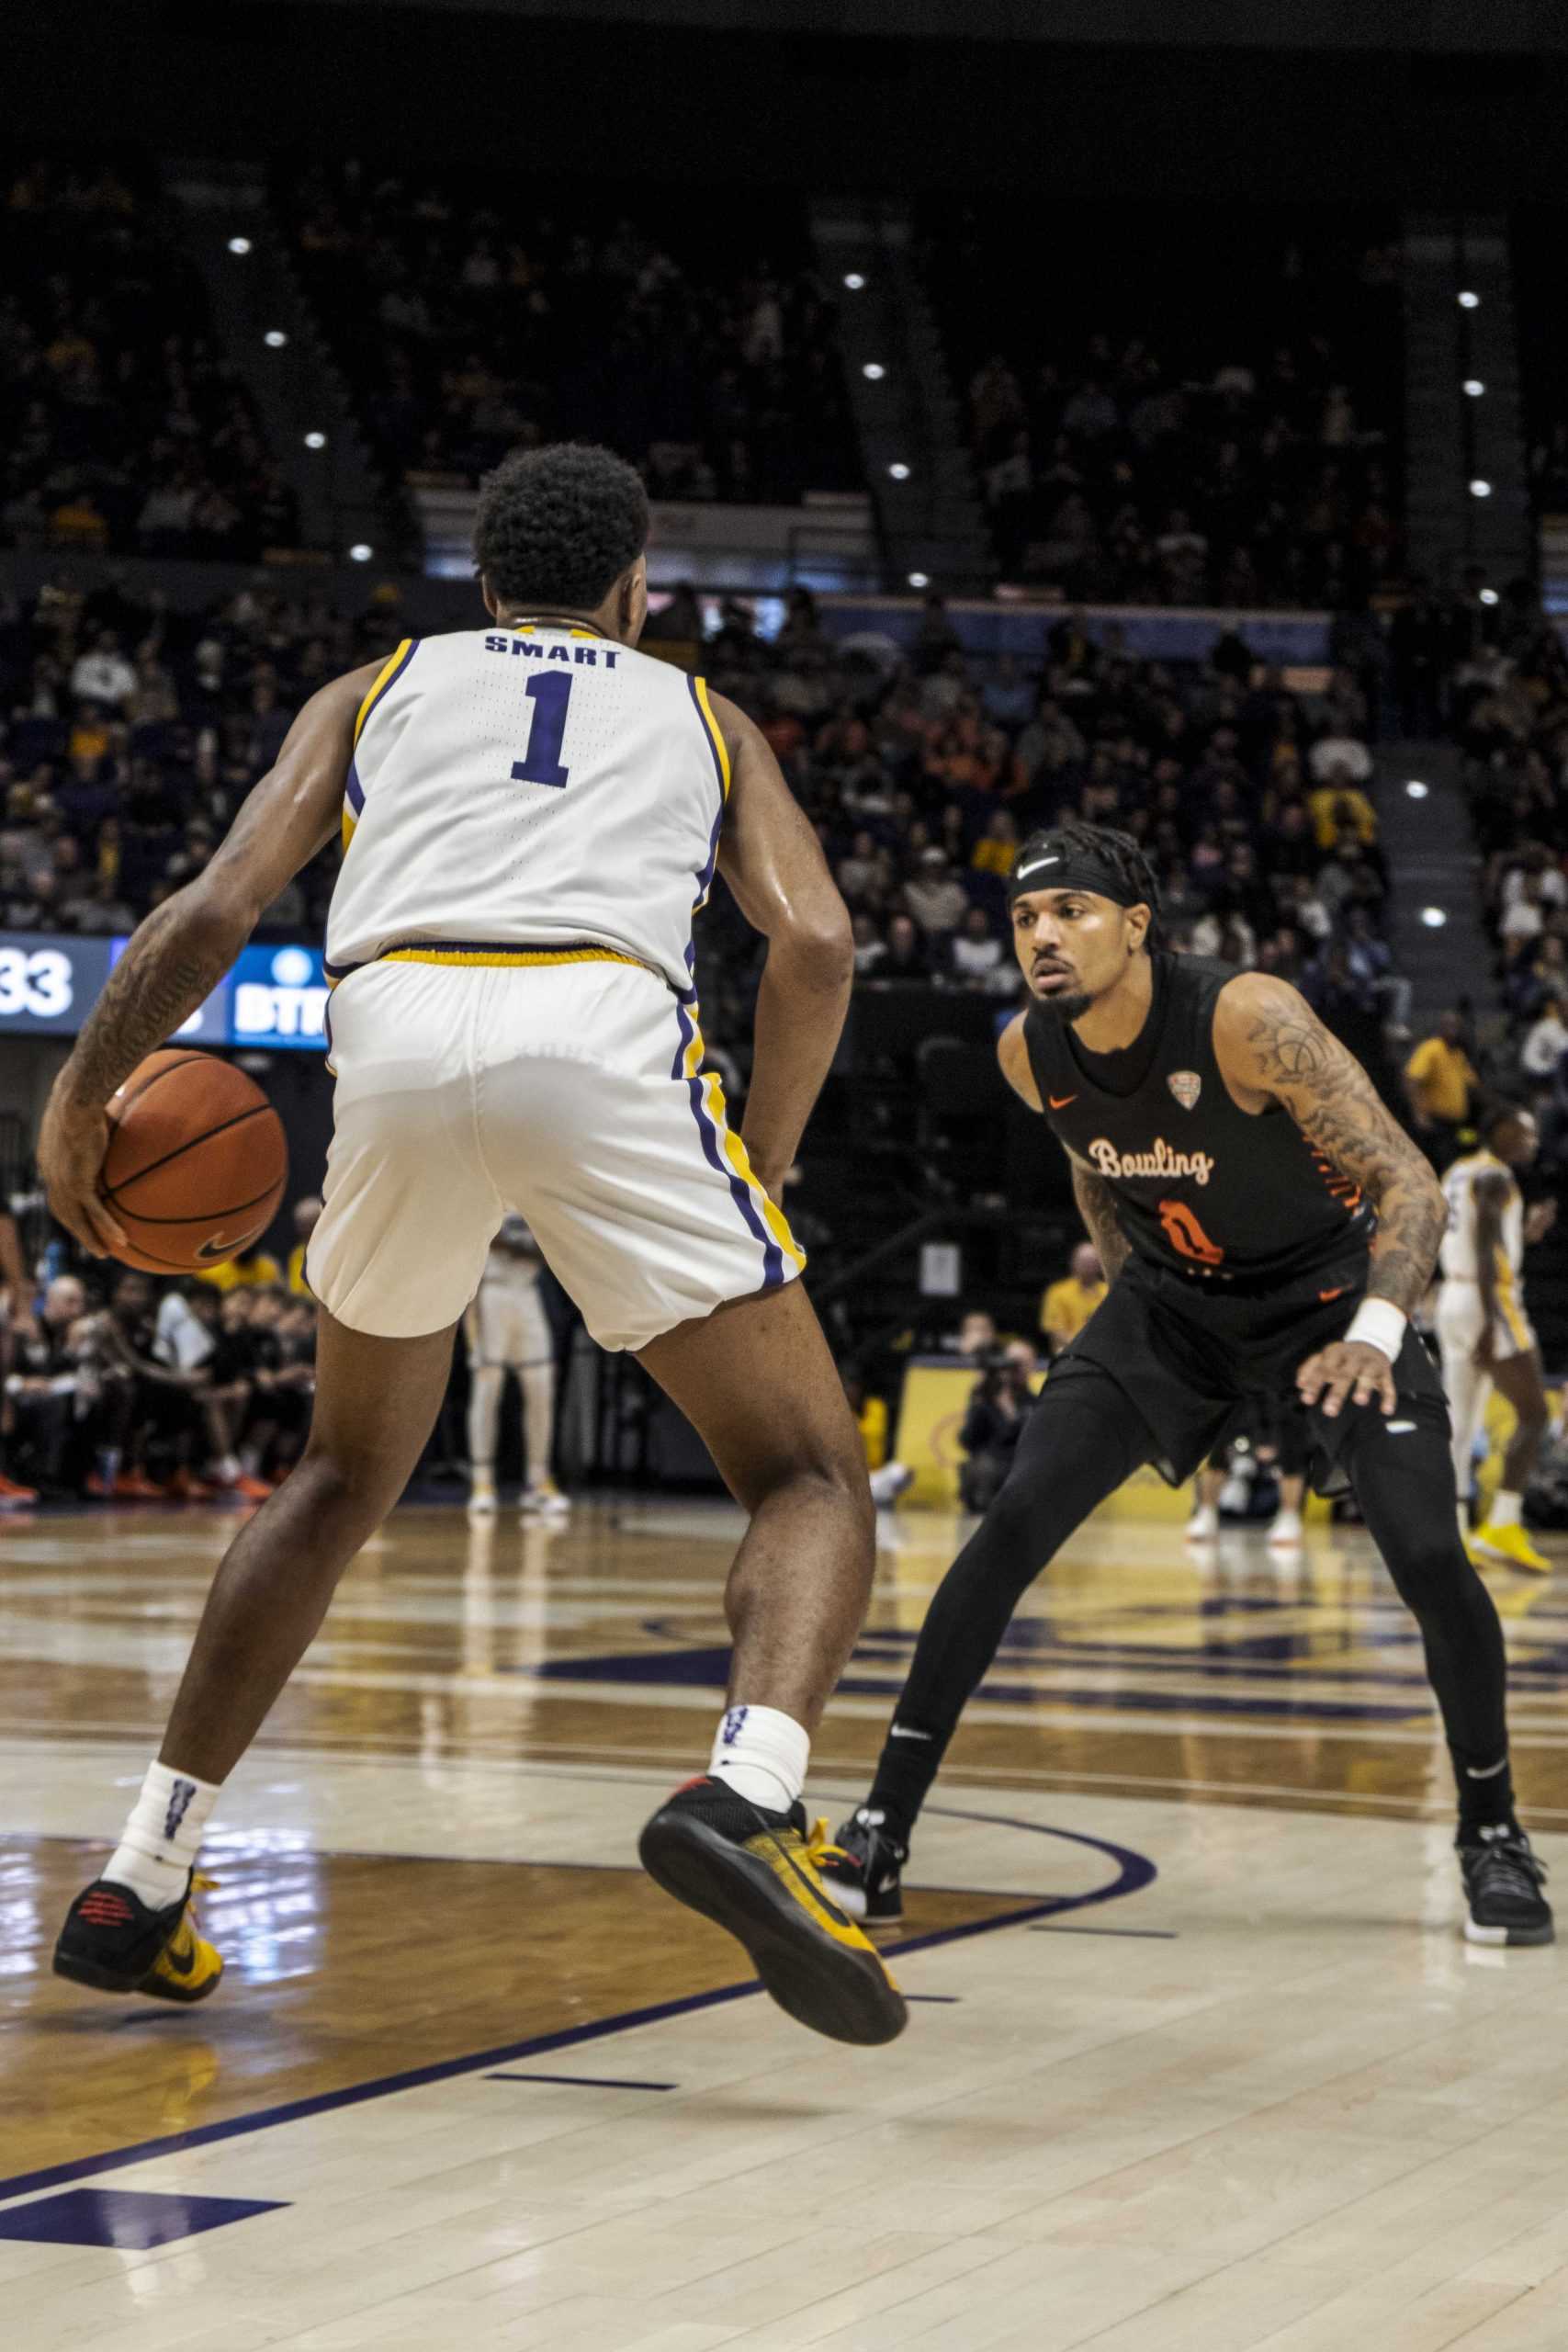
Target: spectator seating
[
  {"x": 474, "y": 314},
  {"x": 1200, "y": 409},
  {"x": 1256, "y": 805},
  {"x": 119, "y": 426},
  {"x": 129, "y": 734},
  {"x": 1509, "y": 711},
  {"x": 1543, "y": 354}
]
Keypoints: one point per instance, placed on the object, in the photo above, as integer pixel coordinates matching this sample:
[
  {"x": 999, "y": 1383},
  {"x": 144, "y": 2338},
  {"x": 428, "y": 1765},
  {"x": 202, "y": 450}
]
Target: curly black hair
[
  {"x": 557, "y": 527},
  {"x": 1116, "y": 850}
]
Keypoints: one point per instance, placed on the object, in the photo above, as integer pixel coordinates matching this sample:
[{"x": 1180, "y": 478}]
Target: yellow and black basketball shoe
[
  {"x": 759, "y": 1874},
  {"x": 115, "y": 1942}
]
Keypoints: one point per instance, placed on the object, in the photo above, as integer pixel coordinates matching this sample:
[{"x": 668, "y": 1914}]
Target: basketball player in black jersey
[{"x": 1267, "y": 1228}]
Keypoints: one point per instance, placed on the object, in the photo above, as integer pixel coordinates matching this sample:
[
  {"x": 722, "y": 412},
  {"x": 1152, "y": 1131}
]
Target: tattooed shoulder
[
  {"x": 1268, "y": 1039},
  {"x": 1286, "y": 1041}
]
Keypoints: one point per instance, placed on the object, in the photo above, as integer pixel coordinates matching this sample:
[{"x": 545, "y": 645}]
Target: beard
[{"x": 1064, "y": 1005}]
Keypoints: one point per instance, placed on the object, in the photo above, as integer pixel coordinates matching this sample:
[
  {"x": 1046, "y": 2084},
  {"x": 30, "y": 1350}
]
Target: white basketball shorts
[
  {"x": 1458, "y": 1321},
  {"x": 507, "y": 1325},
  {"x": 568, "y": 1092}
]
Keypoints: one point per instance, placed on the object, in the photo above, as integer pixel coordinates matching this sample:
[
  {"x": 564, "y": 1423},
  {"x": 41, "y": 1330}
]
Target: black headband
[{"x": 1056, "y": 864}]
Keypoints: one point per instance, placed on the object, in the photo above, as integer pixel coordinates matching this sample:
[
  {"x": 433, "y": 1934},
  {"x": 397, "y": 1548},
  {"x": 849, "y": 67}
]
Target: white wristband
[{"x": 1378, "y": 1323}]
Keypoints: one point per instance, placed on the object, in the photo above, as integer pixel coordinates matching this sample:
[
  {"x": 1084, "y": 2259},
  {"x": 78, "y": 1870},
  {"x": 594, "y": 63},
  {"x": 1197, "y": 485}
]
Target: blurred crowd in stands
[
  {"x": 1509, "y": 714},
  {"x": 130, "y": 732},
  {"x": 123, "y": 1389},
  {"x": 472, "y": 318},
  {"x": 1255, "y": 804},
  {"x": 1238, "y": 448},
  {"x": 119, "y": 426}
]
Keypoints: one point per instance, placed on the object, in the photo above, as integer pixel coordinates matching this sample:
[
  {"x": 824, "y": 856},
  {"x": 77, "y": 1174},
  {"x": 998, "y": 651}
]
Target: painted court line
[
  {"x": 1134, "y": 1871},
  {"x": 584, "y": 2082},
  {"x": 1140, "y": 1934}
]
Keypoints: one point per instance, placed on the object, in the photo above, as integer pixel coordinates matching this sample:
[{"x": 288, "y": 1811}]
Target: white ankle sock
[
  {"x": 761, "y": 1753},
  {"x": 162, "y": 1837},
  {"x": 1505, "y": 1511}
]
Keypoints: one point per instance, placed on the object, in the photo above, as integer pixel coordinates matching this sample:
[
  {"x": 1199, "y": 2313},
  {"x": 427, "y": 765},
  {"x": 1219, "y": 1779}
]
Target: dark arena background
[{"x": 1153, "y": 413}]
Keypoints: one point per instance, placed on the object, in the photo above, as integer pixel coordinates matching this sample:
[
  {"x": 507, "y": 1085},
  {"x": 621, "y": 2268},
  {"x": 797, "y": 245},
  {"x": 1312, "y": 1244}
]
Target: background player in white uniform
[
  {"x": 507, "y": 1330},
  {"x": 532, "y": 811},
  {"x": 1482, "y": 1330}
]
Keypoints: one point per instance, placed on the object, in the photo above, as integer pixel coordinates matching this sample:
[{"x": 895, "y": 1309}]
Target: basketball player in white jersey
[
  {"x": 506, "y": 1329},
  {"x": 533, "y": 812},
  {"x": 1484, "y": 1334}
]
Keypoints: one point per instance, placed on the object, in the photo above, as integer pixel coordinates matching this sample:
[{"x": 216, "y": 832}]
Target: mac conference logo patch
[{"x": 1186, "y": 1086}]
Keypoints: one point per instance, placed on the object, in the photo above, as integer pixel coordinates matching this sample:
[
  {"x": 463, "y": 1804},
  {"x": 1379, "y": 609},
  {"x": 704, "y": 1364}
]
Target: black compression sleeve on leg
[
  {"x": 1083, "y": 1438},
  {"x": 1401, "y": 1469}
]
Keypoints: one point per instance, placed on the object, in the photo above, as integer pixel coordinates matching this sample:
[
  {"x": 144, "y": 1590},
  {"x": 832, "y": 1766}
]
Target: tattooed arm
[
  {"x": 1096, "y": 1206},
  {"x": 1096, "y": 1202},
  {"x": 178, "y": 956},
  {"x": 1271, "y": 1046}
]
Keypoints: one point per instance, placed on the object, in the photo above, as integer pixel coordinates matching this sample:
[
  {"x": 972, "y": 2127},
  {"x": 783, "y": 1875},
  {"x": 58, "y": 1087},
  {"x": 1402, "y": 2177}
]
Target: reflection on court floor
[{"x": 1196, "y": 2055}]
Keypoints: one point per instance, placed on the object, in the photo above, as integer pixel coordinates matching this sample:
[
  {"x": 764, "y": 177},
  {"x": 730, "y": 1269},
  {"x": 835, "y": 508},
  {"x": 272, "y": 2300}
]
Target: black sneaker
[
  {"x": 758, "y": 1873},
  {"x": 863, "y": 1868},
  {"x": 115, "y": 1942},
  {"x": 1503, "y": 1880}
]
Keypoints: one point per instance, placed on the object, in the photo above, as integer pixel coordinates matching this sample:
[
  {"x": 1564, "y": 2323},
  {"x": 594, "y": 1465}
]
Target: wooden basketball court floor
[{"x": 1197, "y": 2057}]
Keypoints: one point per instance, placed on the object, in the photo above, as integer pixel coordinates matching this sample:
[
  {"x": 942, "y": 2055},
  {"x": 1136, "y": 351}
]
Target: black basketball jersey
[{"x": 1201, "y": 1186}]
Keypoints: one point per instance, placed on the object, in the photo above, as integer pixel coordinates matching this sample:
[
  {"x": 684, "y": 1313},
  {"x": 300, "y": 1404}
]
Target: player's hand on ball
[
  {"x": 1350, "y": 1368},
  {"x": 72, "y": 1144}
]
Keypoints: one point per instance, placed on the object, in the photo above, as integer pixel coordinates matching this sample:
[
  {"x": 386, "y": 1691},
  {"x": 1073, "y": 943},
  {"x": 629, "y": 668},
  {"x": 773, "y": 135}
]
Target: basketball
[{"x": 195, "y": 1164}]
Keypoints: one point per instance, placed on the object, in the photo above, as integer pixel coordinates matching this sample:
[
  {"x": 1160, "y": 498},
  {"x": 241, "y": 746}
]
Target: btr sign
[{"x": 279, "y": 997}]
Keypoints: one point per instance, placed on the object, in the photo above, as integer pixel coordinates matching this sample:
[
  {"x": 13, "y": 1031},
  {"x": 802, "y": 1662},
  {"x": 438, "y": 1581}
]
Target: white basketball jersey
[
  {"x": 517, "y": 794},
  {"x": 1457, "y": 1257}
]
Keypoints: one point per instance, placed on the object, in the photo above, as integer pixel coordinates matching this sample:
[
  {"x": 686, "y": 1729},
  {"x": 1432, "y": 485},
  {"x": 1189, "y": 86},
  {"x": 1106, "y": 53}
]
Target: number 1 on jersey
[{"x": 549, "y": 693}]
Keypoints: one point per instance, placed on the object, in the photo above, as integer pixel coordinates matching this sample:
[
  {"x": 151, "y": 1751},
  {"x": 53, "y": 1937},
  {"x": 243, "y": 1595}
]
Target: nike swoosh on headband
[{"x": 1038, "y": 867}]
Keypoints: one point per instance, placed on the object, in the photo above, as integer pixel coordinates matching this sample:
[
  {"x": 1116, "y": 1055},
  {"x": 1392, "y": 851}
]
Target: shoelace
[
  {"x": 813, "y": 1846},
  {"x": 1513, "y": 1869},
  {"x": 819, "y": 1848},
  {"x": 199, "y": 1884}
]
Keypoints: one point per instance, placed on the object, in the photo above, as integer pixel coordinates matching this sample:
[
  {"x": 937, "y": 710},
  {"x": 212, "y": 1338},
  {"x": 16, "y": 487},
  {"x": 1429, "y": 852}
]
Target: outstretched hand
[{"x": 1347, "y": 1368}]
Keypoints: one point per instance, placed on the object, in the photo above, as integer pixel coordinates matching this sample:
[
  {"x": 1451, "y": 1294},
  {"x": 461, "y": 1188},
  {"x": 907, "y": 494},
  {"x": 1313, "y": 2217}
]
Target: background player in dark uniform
[{"x": 1266, "y": 1227}]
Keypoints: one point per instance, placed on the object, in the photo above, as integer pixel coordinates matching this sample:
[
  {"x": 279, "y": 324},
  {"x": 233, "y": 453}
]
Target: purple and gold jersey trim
[
  {"x": 488, "y": 953},
  {"x": 390, "y": 672},
  {"x": 698, "y": 690},
  {"x": 725, "y": 1152},
  {"x": 387, "y": 676}
]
